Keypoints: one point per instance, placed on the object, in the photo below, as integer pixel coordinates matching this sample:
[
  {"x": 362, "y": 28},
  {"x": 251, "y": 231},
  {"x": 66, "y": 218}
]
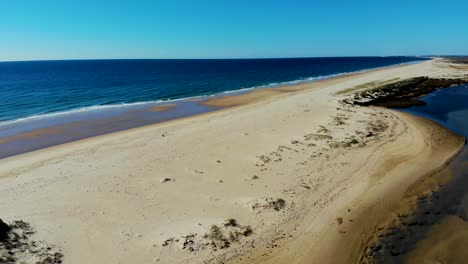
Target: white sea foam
[{"x": 71, "y": 111}]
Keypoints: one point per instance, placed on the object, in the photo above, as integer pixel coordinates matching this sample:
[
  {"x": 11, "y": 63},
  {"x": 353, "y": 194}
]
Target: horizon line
[{"x": 240, "y": 58}]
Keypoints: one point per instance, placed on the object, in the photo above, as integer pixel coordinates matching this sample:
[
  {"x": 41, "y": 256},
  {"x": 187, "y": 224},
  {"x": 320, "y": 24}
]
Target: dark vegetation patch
[
  {"x": 276, "y": 204},
  {"x": 216, "y": 238},
  {"x": 16, "y": 246},
  {"x": 458, "y": 59},
  {"x": 403, "y": 94}
]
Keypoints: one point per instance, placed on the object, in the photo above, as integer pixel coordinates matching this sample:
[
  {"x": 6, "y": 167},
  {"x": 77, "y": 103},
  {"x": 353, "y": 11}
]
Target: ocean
[{"x": 42, "y": 88}]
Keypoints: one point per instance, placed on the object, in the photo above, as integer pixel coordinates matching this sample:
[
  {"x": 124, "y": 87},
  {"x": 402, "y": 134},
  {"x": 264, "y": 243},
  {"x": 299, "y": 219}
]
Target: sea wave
[{"x": 124, "y": 106}]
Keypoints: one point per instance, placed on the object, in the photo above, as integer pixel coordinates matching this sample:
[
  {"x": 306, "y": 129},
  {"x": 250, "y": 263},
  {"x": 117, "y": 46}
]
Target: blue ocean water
[{"x": 38, "y": 88}]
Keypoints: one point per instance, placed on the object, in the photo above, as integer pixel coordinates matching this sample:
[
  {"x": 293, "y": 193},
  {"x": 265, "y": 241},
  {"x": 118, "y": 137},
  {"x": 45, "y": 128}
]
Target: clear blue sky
[{"x": 65, "y": 29}]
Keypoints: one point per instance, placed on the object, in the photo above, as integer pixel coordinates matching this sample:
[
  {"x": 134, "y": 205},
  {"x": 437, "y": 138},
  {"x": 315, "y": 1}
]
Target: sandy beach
[{"x": 285, "y": 175}]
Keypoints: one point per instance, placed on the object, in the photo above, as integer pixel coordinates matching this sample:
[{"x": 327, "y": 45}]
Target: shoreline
[
  {"x": 432, "y": 220},
  {"x": 165, "y": 101},
  {"x": 62, "y": 133},
  {"x": 405, "y": 195},
  {"x": 421, "y": 210},
  {"x": 284, "y": 175}
]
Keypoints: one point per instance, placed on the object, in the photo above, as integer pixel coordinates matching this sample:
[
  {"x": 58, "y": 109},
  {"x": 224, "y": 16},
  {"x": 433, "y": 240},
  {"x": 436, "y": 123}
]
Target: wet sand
[
  {"x": 445, "y": 243},
  {"x": 73, "y": 130},
  {"x": 164, "y": 107},
  {"x": 278, "y": 180},
  {"x": 430, "y": 226}
]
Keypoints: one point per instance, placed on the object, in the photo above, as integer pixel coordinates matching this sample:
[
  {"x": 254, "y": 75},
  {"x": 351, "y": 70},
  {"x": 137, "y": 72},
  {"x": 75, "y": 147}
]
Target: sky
[{"x": 118, "y": 29}]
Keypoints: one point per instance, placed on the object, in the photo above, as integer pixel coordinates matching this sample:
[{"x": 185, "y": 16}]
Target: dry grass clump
[
  {"x": 16, "y": 245},
  {"x": 377, "y": 126},
  {"x": 339, "y": 120},
  {"x": 323, "y": 130},
  {"x": 317, "y": 137},
  {"x": 216, "y": 238},
  {"x": 276, "y": 204}
]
